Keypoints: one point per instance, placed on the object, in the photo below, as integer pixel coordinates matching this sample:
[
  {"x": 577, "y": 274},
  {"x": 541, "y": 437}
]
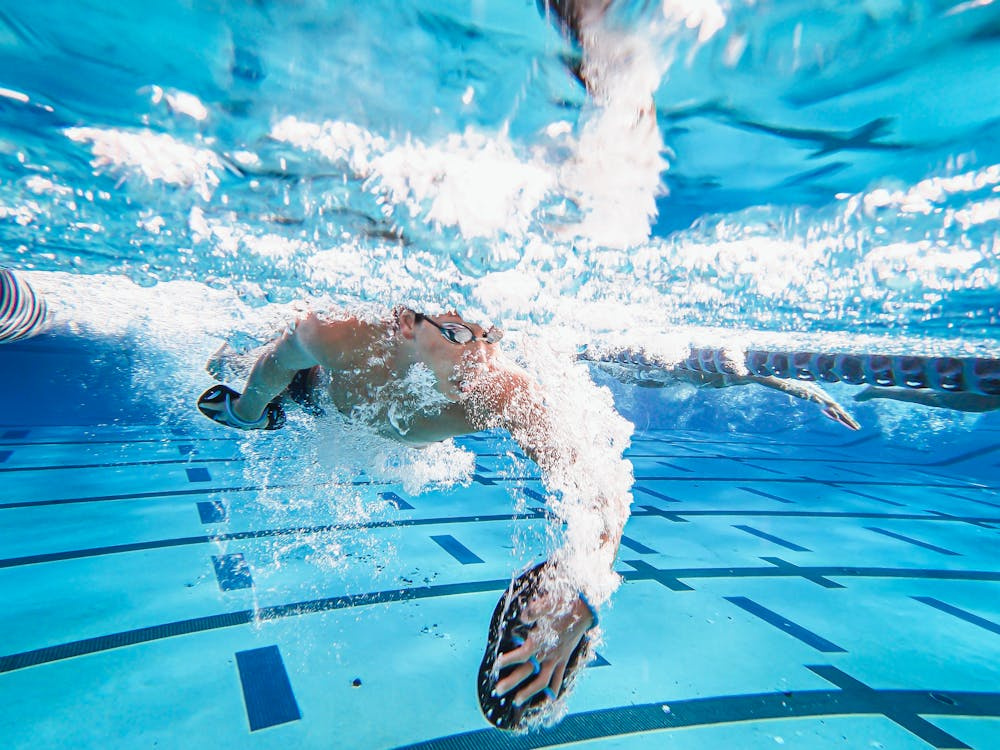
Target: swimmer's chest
[{"x": 368, "y": 395}]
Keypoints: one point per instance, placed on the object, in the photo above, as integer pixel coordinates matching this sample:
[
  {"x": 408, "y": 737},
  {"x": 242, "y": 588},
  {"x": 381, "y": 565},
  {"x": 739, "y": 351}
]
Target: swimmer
[
  {"x": 363, "y": 364},
  {"x": 22, "y": 310},
  {"x": 975, "y": 403},
  {"x": 661, "y": 377}
]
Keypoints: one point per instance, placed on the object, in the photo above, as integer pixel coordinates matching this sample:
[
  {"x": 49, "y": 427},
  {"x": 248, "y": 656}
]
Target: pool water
[
  {"x": 808, "y": 587},
  {"x": 742, "y": 175}
]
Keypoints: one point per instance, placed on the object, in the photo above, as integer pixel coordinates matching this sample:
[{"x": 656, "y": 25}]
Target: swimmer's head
[{"x": 444, "y": 343}]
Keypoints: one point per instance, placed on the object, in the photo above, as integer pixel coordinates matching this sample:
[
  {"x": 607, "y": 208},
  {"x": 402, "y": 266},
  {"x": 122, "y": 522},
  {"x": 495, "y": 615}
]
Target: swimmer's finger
[
  {"x": 557, "y": 677},
  {"x": 519, "y": 655},
  {"x": 535, "y": 686},
  {"x": 517, "y": 676},
  {"x": 837, "y": 414}
]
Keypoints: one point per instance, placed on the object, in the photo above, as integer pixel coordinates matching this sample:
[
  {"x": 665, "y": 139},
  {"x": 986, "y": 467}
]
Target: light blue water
[{"x": 818, "y": 177}]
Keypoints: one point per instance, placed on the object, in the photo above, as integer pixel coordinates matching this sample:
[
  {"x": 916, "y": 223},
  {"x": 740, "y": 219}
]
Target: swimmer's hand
[
  {"x": 541, "y": 666},
  {"x": 809, "y": 392},
  {"x": 218, "y": 403},
  {"x": 834, "y": 411}
]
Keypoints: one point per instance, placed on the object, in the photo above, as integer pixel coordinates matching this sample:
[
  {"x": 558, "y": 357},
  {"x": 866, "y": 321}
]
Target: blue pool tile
[
  {"x": 654, "y": 511},
  {"x": 654, "y": 493},
  {"x": 961, "y": 614},
  {"x": 599, "y": 661},
  {"x": 784, "y": 624},
  {"x": 635, "y": 546},
  {"x": 232, "y": 572},
  {"x": 771, "y": 538},
  {"x": 661, "y": 577},
  {"x": 213, "y": 511},
  {"x": 267, "y": 691},
  {"x": 806, "y": 573},
  {"x": 916, "y": 542},
  {"x": 854, "y": 690},
  {"x": 392, "y": 497},
  {"x": 533, "y": 494},
  {"x": 198, "y": 474},
  {"x": 768, "y": 495},
  {"x": 865, "y": 495},
  {"x": 456, "y": 549},
  {"x": 14, "y": 434},
  {"x": 185, "y": 450},
  {"x": 4, "y": 455},
  {"x": 675, "y": 467}
]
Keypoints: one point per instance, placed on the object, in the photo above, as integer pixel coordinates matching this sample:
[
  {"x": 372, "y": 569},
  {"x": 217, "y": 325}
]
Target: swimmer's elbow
[{"x": 295, "y": 348}]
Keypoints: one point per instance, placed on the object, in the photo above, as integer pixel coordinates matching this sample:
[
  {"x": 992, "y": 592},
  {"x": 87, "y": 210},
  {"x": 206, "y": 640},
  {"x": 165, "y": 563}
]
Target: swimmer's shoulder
[{"x": 339, "y": 340}]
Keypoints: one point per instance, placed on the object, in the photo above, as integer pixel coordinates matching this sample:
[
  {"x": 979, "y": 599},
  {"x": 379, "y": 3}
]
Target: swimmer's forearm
[
  {"x": 270, "y": 376},
  {"x": 267, "y": 379}
]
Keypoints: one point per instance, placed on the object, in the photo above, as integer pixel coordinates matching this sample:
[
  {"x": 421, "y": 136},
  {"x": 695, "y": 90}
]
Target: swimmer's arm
[
  {"x": 521, "y": 410},
  {"x": 806, "y": 391},
  {"x": 309, "y": 342},
  {"x": 516, "y": 405}
]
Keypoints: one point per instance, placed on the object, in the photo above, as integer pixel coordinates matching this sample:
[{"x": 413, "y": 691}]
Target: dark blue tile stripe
[
  {"x": 965, "y": 456},
  {"x": 639, "y": 547},
  {"x": 531, "y": 515},
  {"x": 25, "y": 659},
  {"x": 534, "y": 494},
  {"x": 180, "y": 493},
  {"x": 674, "y": 466},
  {"x": 796, "y": 631},
  {"x": 804, "y": 572},
  {"x": 721, "y": 710},
  {"x": 911, "y": 540},
  {"x": 396, "y": 500},
  {"x": 746, "y": 462},
  {"x": 14, "y": 434},
  {"x": 903, "y": 715},
  {"x": 4, "y": 455},
  {"x": 768, "y": 495},
  {"x": 985, "y": 502},
  {"x": 212, "y": 511},
  {"x": 232, "y": 572},
  {"x": 960, "y": 613},
  {"x": 599, "y": 661},
  {"x": 267, "y": 691},
  {"x": 198, "y": 474},
  {"x": 865, "y": 495},
  {"x": 771, "y": 538},
  {"x": 12, "y": 562},
  {"x": 654, "y": 493},
  {"x": 117, "y": 465},
  {"x": 456, "y": 549},
  {"x": 125, "y": 638},
  {"x": 127, "y": 441}
]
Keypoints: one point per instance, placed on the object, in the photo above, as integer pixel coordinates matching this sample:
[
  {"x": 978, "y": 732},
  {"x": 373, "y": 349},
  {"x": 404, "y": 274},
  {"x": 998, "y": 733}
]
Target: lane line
[
  {"x": 785, "y": 625},
  {"x": 916, "y": 542},
  {"x": 771, "y": 538}
]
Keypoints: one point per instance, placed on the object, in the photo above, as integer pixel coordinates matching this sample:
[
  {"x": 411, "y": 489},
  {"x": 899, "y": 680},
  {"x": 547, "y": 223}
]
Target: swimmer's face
[{"x": 447, "y": 359}]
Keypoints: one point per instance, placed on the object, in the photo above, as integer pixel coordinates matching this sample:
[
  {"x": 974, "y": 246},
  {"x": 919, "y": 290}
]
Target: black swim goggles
[{"x": 459, "y": 333}]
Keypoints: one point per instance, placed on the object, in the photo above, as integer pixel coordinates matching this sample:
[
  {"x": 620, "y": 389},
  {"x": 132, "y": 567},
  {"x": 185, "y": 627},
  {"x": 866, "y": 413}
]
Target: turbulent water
[
  {"x": 798, "y": 174},
  {"x": 738, "y": 172}
]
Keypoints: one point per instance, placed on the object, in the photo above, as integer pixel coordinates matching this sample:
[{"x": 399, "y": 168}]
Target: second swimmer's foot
[{"x": 867, "y": 394}]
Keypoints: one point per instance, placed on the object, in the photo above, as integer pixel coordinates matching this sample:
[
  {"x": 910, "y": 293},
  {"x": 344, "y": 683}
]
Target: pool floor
[{"x": 795, "y": 589}]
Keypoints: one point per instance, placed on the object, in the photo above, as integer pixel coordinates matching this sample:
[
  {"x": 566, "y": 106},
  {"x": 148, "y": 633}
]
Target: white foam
[{"x": 158, "y": 157}]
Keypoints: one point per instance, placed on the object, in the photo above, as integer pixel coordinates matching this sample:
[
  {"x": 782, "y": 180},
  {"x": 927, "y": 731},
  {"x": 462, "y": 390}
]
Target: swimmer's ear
[{"x": 406, "y": 322}]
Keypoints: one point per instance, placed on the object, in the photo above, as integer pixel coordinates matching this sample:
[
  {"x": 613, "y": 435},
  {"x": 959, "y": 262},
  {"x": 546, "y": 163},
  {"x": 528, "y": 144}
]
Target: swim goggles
[{"x": 459, "y": 333}]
